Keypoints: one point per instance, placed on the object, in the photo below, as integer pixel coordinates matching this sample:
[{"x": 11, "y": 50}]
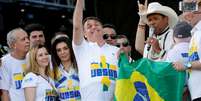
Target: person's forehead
[
  {"x": 21, "y": 34},
  {"x": 91, "y": 21},
  {"x": 35, "y": 33},
  {"x": 154, "y": 15},
  {"x": 41, "y": 50},
  {"x": 109, "y": 30},
  {"x": 121, "y": 40},
  {"x": 61, "y": 44}
]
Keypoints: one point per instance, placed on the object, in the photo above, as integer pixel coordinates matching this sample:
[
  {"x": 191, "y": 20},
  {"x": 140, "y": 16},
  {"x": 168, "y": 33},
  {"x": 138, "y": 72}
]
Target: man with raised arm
[{"x": 97, "y": 60}]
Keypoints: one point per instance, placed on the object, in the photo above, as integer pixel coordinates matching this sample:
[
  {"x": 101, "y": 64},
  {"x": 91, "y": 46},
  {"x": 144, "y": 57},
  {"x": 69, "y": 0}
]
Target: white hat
[{"x": 155, "y": 7}]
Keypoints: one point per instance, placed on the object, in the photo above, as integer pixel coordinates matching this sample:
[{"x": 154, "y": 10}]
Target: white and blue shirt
[{"x": 67, "y": 85}]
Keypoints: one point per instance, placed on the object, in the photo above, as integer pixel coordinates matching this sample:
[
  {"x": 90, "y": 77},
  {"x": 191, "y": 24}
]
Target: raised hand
[
  {"x": 142, "y": 11},
  {"x": 142, "y": 8}
]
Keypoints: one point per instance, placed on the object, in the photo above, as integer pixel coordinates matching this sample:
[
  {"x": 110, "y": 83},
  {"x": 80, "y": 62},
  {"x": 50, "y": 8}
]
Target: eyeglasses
[
  {"x": 106, "y": 36},
  {"x": 124, "y": 44}
]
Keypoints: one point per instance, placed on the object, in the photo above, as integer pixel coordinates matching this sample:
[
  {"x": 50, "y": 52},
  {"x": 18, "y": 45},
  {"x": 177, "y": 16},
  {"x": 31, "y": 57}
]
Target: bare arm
[
  {"x": 5, "y": 95},
  {"x": 77, "y": 23},
  {"x": 140, "y": 35},
  {"x": 30, "y": 93},
  {"x": 4, "y": 83},
  {"x": 140, "y": 39},
  {"x": 196, "y": 65}
]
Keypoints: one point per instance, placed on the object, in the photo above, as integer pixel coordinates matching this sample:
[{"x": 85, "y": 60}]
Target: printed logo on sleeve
[{"x": 28, "y": 79}]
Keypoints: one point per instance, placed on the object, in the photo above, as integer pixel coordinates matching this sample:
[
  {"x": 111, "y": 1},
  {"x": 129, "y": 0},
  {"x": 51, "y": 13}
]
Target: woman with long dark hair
[{"x": 65, "y": 69}]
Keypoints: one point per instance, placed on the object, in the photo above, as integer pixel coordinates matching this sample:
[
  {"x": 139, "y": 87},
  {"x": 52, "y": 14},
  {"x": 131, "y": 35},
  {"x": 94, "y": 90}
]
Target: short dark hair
[
  {"x": 109, "y": 26},
  {"x": 91, "y": 18},
  {"x": 34, "y": 27},
  {"x": 121, "y": 36}
]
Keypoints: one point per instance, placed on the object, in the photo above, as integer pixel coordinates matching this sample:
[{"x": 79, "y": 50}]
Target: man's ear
[
  {"x": 84, "y": 34},
  {"x": 13, "y": 46}
]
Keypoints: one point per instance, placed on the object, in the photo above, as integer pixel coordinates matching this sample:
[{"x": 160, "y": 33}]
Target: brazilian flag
[{"x": 146, "y": 80}]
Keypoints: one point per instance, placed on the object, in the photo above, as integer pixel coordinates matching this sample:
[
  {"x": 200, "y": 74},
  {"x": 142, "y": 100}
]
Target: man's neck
[
  {"x": 101, "y": 43},
  {"x": 163, "y": 31},
  {"x": 18, "y": 55}
]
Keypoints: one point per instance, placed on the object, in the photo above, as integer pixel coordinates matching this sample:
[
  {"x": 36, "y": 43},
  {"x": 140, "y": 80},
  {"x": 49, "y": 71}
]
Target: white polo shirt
[
  {"x": 97, "y": 70},
  {"x": 67, "y": 85}
]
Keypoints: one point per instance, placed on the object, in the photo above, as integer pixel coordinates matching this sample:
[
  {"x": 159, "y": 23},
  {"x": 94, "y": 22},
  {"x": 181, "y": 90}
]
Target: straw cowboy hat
[{"x": 155, "y": 7}]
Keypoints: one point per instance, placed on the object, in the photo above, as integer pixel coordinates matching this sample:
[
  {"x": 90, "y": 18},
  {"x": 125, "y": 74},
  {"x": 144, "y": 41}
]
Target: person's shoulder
[
  {"x": 83, "y": 44},
  {"x": 112, "y": 47},
  {"x": 30, "y": 80},
  {"x": 197, "y": 33},
  {"x": 31, "y": 75},
  {"x": 7, "y": 56},
  {"x": 170, "y": 32},
  {"x": 115, "y": 48}
]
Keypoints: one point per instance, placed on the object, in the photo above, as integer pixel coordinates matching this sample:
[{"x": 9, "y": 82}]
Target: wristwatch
[{"x": 187, "y": 65}]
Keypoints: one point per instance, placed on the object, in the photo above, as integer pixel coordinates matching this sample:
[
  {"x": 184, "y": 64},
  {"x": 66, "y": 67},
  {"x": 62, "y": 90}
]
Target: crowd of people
[{"x": 85, "y": 67}]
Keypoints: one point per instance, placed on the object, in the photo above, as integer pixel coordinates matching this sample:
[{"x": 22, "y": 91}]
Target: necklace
[
  {"x": 52, "y": 86},
  {"x": 45, "y": 77}
]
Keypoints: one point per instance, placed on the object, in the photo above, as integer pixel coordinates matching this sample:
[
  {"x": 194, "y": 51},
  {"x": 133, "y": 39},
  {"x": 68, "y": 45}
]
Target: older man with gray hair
[{"x": 13, "y": 65}]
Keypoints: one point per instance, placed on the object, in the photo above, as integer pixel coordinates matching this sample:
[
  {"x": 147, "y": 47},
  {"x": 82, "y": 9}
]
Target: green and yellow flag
[{"x": 146, "y": 80}]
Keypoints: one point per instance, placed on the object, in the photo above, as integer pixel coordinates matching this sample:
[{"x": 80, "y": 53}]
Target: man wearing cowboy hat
[{"x": 161, "y": 19}]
